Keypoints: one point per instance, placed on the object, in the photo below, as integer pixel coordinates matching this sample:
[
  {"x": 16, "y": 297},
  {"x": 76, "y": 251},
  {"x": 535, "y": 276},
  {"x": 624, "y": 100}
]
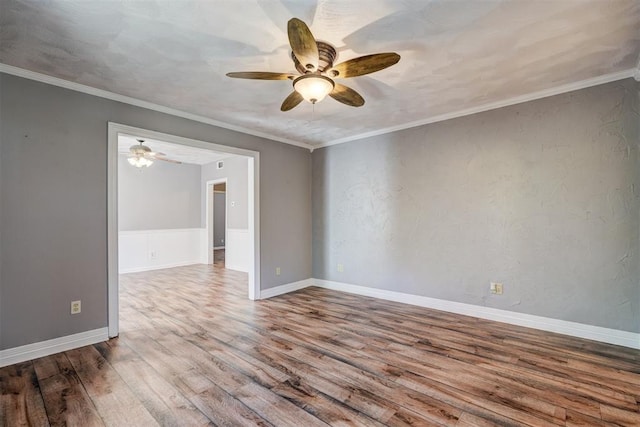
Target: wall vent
[{"x": 220, "y": 164}]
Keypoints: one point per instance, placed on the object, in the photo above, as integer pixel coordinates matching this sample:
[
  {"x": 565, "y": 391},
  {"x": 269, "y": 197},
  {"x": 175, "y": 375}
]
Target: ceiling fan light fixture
[
  {"x": 313, "y": 87},
  {"x": 314, "y": 60},
  {"x": 140, "y": 162}
]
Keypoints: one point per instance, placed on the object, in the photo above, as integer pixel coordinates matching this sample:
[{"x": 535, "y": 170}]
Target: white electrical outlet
[
  {"x": 153, "y": 255},
  {"x": 277, "y": 271},
  {"x": 340, "y": 268},
  {"x": 76, "y": 307},
  {"x": 495, "y": 288}
]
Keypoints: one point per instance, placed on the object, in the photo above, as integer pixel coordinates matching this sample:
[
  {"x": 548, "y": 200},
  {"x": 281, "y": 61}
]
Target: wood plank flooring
[{"x": 194, "y": 351}]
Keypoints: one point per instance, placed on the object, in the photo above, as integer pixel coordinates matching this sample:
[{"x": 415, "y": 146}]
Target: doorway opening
[
  {"x": 216, "y": 221},
  {"x": 252, "y": 245}
]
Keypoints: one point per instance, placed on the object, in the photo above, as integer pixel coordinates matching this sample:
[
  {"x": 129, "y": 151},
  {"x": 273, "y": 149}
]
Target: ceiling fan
[
  {"x": 314, "y": 61},
  {"x": 141, "y": 156}
]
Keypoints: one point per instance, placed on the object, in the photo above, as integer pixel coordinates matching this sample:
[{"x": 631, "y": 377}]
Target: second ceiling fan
[
  {"x": 314, "y": 61},
  {"x": 141, "y": 156}
]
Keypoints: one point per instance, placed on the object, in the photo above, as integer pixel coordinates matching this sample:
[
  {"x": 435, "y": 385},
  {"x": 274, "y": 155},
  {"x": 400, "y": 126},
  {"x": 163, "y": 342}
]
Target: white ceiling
[
  {"x": 179, "y": 152},
  {"x": 458, "y": 56}
]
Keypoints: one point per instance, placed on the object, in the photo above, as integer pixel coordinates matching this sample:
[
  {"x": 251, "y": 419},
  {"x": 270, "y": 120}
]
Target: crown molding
[
  {"x": 607, "y": 78},
  {"x": 55, "y": 81}
]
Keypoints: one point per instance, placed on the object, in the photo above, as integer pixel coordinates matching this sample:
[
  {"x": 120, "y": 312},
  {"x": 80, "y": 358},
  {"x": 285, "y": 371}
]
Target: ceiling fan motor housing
[
  {"x": 139, "y": 150},
  {"x": 327, "y": 55}
]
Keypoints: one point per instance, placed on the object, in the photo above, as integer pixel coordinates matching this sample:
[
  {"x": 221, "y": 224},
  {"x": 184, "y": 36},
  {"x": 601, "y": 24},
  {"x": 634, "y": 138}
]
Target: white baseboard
[
  {"x": 56, "y": 345},
  {"x": 285, "y": 289},
  {"x": 580, "y": 330}
]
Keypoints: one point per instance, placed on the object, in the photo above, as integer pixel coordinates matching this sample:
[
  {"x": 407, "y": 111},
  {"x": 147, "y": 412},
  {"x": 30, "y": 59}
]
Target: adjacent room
[
  {"x": 306, "y": 213},
  {"x": 172, "y": 206}
]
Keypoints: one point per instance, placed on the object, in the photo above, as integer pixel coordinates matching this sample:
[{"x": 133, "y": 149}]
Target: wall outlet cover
[
  {"x": 76, "y": 307},
  {"x": 496, "y": 288}
]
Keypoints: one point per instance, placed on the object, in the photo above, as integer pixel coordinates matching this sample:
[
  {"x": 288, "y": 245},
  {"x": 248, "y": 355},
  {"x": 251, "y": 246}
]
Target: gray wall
[
  {"x": 632, "y": 124},
  {"x": 163, "y": 196},
  {"x": 541, "y": 196},
  {"x": 53, "y": 205},
  {"x": 236, "y": 171},
  {"x": 219, "y": 219}
]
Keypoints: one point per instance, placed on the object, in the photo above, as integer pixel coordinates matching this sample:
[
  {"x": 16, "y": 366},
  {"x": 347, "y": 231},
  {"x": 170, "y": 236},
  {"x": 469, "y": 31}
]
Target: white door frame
[
  {"x": 114, "y": 129},
  {"x": 210, "y": 219}
]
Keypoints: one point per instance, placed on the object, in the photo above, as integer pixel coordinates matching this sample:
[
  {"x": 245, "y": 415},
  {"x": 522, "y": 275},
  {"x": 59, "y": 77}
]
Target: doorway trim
[
  {"x": 210, "y": 218},
  {"x": 114, "y": 130}
]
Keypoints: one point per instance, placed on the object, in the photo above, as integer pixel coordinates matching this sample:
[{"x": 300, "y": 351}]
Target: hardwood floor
[
  {"x": 195, "y": 351},
  {"x": 219, "y": 257}
]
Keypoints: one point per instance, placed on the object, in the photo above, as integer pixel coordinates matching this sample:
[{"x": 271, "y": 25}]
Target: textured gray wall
[
  {"x": 53, "y": 207},
  {"x": 236, "y": 171},
  {"x": 163, "y": 196},
  {"x": 541, "y": 196},
  {"x": 219, "y": 220},
  {"x": 632, "y": 123}
]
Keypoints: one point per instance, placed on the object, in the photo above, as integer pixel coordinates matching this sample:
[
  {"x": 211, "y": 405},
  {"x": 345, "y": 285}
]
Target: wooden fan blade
[
  {"x": 261, "y": 75},
  {"x": 154, "y": 155},
  {"x": 164, "y": 159},
  {"x": 291, "y": 101},
  {"x": 364, "y": 65},
  {"x": 303, "y": 44},
  {"x": 346, "y": 95}
]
